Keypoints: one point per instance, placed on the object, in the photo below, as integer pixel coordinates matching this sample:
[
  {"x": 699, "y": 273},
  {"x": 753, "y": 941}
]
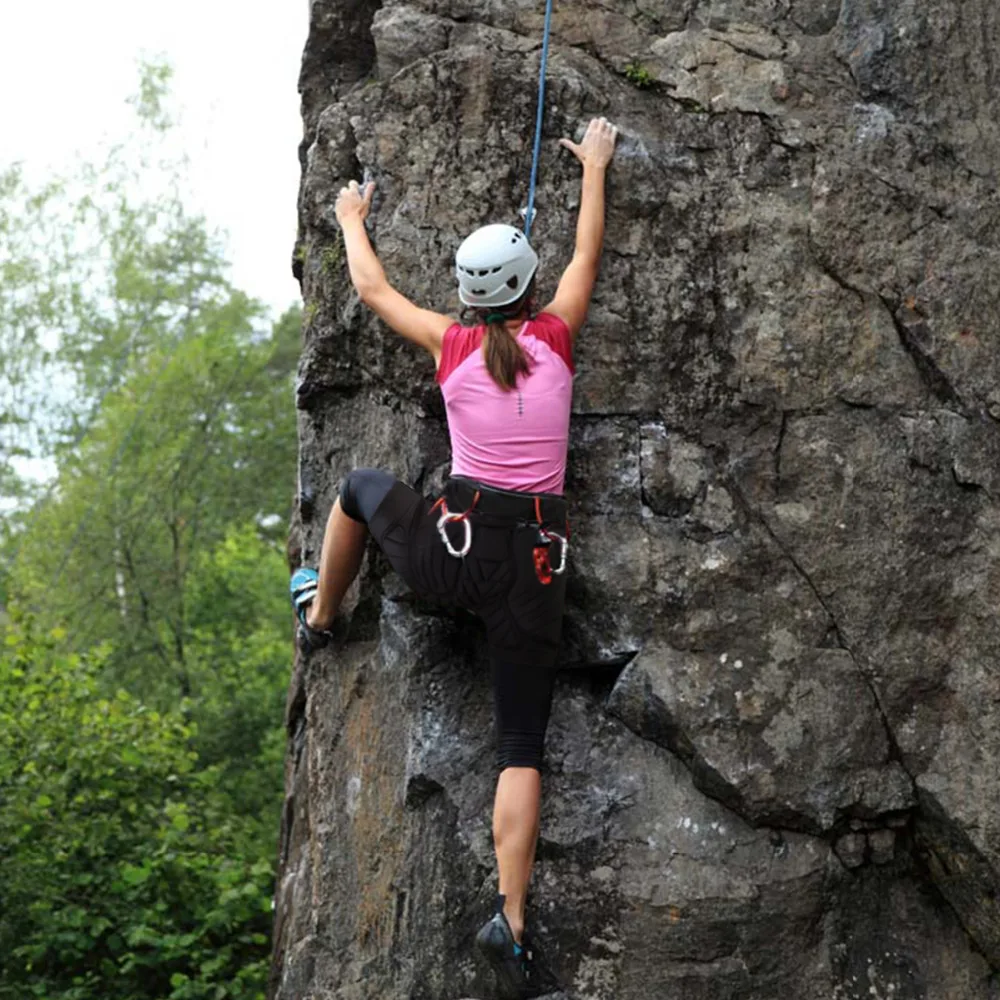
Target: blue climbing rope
[{"x": 529, "y": 214}]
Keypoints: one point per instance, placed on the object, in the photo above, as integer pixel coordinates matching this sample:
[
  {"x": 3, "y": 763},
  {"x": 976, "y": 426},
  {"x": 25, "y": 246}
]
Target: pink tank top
[{"x": 513, "y": 440}]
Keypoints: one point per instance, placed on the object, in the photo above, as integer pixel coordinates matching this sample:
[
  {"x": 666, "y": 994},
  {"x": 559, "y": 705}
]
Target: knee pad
[
  {"x": 362, "y": 491},
  {"x": 348, "y": 495}
]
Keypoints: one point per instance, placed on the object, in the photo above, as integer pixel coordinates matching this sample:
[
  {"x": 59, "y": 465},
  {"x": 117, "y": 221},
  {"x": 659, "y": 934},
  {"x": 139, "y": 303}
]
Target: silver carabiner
[
  {"x": 563, "y": 549},
  {"x": 443, "y": 520}
]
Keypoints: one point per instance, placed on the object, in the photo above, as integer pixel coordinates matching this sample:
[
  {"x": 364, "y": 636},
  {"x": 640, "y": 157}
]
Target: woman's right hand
[
  {"x": 353, "y": 201},
  {"x": 598, "y": 143}
]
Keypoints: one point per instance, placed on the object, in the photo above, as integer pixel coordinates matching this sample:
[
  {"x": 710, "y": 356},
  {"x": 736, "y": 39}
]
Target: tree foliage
[
  {"x": 31, "y": 302},
  {"x": 238, "y": 662},
  {"x": 124, "y": 871},
  {"x": 97, "y": 270},
  {"x": 199, "y": 439},
  {"x": 177, "y": 421}
]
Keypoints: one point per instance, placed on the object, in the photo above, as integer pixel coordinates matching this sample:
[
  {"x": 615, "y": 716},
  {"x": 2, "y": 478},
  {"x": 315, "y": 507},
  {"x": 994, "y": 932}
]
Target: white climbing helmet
[{"x": 494, "y": 266}]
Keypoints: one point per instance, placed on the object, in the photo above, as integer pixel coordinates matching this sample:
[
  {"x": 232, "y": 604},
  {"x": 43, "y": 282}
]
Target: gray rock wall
[{"x": 772, "y": 765}]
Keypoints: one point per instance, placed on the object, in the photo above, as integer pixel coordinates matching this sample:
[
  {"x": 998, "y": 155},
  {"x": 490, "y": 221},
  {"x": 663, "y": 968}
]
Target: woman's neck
[{"x": 516, "y": 321}]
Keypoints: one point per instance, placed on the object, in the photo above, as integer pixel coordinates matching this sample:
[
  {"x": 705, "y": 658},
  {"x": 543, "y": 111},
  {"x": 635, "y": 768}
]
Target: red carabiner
[{"x": 543, "y": 568}]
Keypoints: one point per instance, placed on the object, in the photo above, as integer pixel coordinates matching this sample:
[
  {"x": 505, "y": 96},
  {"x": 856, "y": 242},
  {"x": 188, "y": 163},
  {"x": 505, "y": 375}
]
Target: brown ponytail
[
  {"x": 504, "y": 356},
  {"x": 505, "y": 359}
]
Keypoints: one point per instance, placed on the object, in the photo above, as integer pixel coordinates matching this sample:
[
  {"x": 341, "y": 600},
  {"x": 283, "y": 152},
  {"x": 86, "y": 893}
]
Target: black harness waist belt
[{"x": 535, "y": 508}]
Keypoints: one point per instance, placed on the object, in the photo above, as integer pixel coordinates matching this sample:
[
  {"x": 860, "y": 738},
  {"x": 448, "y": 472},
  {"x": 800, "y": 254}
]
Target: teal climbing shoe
[{"x": 302, "y": 590}]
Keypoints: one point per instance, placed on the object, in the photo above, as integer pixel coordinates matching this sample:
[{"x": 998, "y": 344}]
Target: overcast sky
[{"x": 67, "y": 66}]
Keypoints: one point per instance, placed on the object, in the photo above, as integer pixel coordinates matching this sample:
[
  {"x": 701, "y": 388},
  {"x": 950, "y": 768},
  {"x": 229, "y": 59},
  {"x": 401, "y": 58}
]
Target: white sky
[{"x": 67, "y": 66}]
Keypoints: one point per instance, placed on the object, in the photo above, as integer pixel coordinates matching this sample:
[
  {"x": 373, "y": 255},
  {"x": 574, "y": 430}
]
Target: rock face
[{"x": 772, "y": 765}]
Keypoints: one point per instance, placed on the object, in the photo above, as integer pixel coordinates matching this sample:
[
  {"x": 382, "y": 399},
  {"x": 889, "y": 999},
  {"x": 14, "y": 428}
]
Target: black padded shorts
[{"x": 508, "y": 577}]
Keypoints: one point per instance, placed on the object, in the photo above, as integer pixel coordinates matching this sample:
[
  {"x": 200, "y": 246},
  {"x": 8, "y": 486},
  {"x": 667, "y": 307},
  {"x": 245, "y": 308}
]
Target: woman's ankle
[
  {"x": 515, "y": 922},
  {"x": 315, "y": 620}
]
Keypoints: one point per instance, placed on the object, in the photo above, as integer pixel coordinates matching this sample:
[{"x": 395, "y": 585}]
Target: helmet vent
[
  {"x": 512, "y": 281},
  {"x": 478, "y": 291}
]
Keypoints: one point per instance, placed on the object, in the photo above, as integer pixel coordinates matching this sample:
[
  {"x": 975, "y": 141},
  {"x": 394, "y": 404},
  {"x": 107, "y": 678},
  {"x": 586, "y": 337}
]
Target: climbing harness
[
  {"x": 543, "y": 563},
  {"x": 447, "y": 517},
  {"x": 529, "y": 212}
]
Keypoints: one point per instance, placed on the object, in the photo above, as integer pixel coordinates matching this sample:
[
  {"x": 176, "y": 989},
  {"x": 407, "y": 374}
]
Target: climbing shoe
[
  {"x": 513, "y": 964},
  {"x": 302, "y": 591}
]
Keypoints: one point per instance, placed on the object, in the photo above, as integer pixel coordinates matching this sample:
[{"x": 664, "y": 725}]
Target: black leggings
[{"x": 508, "y": 577}]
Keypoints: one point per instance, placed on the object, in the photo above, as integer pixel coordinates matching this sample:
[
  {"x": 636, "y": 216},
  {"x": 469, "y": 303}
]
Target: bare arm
[
  {"x": 577, "y": 282},
  {"x": 422, "y": 326}
]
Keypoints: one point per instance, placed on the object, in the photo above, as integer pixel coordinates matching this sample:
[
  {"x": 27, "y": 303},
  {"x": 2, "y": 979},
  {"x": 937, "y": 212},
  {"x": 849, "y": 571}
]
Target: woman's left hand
[
  {"x": 353, "y": 201},
  {"x": 598, "y": 144}
]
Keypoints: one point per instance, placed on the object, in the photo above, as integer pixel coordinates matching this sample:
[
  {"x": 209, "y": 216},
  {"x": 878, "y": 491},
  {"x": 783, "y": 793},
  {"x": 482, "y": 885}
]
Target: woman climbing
[{"x": 496, "y": 542}]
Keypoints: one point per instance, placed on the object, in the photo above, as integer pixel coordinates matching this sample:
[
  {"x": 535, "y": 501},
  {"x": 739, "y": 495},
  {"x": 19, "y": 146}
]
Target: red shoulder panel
[
  {"x": 550, "y": 329},
  {"x": 458, "y": 343}
]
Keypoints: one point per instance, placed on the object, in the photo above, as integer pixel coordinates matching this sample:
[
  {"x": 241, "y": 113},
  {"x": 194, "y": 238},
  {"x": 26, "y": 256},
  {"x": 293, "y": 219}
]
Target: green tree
[
  {"x": 97, "y": 270},
  {"x": 123, "y": 871},
  {"x": 171, "y": 416},
  {"x": 199, "y": 439},
  {"x": 238, "y": 659},
  {"x": 31, "y": 302}
]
